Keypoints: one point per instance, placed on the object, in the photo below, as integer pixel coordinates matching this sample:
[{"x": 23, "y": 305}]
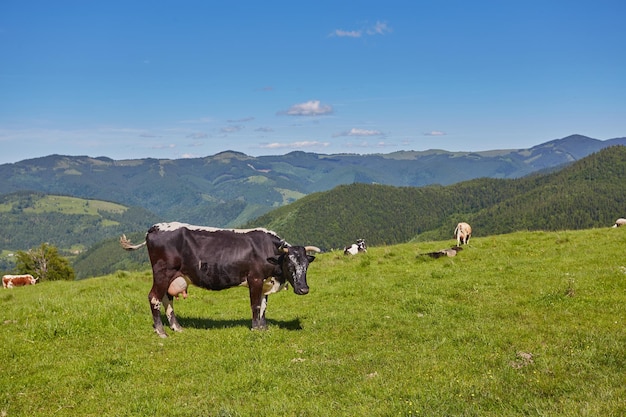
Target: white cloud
[
  {"x": 359, "y": 132},
  {"x": 264, "y": 129},
  {"x": 310, "y": 108},
  {"x": 347, "y": 33},
  {"x": 380, "y": 28},
  {"x": 435, "y": 133}
]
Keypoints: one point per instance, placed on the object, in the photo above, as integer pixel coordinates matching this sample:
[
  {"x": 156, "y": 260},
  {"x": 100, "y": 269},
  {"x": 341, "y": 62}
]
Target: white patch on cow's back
[{"x": 171, "y": 226}]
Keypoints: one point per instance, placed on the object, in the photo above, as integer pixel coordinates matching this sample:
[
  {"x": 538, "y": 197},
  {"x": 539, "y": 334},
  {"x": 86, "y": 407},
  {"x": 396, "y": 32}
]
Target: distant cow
[
  {"x": 217, "y": 259},
  {"x": 355, "y": 248},
  {"x": 619, "y": 222},
  {"x": 462, "y": 233},
  {"x": 10, "y": 281}
]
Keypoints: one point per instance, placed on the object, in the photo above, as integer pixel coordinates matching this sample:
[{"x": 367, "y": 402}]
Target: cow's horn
[
  {"x": 312, "y": 248},
  {"x": 285, "y": 249}
]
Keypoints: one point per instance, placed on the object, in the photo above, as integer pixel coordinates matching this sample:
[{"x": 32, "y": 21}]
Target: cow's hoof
[
  {"x": 177, "y": 329},
  {"x": 161, "y": 333}
]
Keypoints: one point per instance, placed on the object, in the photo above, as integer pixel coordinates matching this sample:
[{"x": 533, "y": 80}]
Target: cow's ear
[
  {"x": 273, "y": 260},
  {"x": 311, "y": 258}
]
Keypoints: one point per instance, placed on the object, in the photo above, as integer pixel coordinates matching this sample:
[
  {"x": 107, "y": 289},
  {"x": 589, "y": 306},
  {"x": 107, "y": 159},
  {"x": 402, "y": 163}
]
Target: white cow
[{"x": 462, "y": 233}]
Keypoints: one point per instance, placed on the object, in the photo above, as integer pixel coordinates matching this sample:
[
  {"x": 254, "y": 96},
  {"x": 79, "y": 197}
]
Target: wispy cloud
[
  {"x": 359, "y": 132},
  {"x": 163, "y": 146},
  {"x": 370, "y": 145},
  {"x": 347, "y": 33},
  {"x": 197, "y": 135},
  {"x": 379, "y": 28},
  {"x": 264, "y": 129},
  {"x": 435, "y": 133},
  {"x": 200, "y": 120},
  {"x": 294, "y": 145},
  {"x": 243, "y": 120},
  {"x": 309, "y": 108},
  {"x": 231, "y": 129}
]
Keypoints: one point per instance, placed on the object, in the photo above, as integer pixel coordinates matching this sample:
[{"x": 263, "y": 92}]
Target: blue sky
[{"x": 166, "y": 79}]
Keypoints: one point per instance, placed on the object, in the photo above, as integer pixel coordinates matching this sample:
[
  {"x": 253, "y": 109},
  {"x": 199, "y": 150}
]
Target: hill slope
[
  {"x": 231, "y": 188},
  {"x": 587, "y": 193},
  {"x": 526, "y": 324}
]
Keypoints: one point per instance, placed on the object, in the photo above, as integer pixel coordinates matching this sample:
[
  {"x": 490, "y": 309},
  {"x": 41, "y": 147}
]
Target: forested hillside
[
  {"x": 29, "y": 219},
  {"x": 588, "y": 193},
  {"x": 71, "y": 224},
  {"x": 231, "y": 188}
]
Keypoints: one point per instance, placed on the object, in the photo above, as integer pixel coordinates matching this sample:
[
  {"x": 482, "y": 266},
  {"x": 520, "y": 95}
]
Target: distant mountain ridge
[{"x": 231, "y": 188}]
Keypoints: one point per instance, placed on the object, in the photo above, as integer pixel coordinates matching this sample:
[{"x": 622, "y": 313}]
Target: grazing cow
[
  {"x": 217, "y": 259},
  {"x": 355, "y": 248},
  {"x": 10, "y": 281},
  {"x": 462, "y": 233},
  {"x": 619, "y": 222}
]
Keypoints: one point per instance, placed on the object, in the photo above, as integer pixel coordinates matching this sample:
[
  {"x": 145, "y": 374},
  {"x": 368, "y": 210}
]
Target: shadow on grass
[{"x": 204, "y": 323}]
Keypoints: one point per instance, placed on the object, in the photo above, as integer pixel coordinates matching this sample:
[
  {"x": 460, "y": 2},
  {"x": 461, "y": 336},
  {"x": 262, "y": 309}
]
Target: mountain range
[{"x": 230, "y": 188}]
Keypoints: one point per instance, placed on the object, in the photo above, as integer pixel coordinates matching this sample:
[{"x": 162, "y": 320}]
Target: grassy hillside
[
  {"x": 530, "y": 323},
  {"x": 588, "y": 193}
]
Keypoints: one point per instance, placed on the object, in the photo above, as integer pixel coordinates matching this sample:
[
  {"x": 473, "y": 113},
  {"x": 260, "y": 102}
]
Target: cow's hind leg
[
  {"x": 168, "y": 304},
  {"x": 155, "y": 307}
]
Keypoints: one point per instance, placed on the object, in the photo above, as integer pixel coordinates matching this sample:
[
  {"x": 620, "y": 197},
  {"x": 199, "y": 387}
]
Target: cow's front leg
[
  {"x": 258, "y": 303},
  {"x": 168, "y": 304}
]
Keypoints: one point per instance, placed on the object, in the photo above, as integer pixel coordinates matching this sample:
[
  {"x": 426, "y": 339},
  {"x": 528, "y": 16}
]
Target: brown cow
[{"x": 10, "y": 281}]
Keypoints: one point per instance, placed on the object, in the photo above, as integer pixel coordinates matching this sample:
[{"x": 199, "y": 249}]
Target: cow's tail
[{"x": 125, "y": 243}]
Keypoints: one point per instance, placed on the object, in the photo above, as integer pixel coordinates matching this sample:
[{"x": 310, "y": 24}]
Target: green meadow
[{"x": 523, "y": 324}]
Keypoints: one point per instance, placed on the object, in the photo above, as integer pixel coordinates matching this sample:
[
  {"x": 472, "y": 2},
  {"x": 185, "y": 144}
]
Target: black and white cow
[
  {"x": 355, "y": 248},
  {"x": 217, "y": 259},
  {"x": 620, "y": 222}
]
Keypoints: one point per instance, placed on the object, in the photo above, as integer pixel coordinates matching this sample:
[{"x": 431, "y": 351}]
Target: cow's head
[{"x": 292, "y": 265}]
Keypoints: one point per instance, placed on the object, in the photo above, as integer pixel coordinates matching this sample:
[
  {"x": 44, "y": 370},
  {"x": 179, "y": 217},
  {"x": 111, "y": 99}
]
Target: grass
[{"x": 526, "y": 324}]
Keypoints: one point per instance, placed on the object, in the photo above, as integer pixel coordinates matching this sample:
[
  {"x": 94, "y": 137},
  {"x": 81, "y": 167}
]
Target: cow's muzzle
[{"x": 301, "y": 290}]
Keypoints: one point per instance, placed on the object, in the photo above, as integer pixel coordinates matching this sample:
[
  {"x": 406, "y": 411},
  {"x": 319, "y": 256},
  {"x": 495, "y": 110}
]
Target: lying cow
[
  {"x": 355, "y": 248},
  {"x": 619, "y": 222},
  {"x": 462, "y": 233},
  {"x": 10, "y": 281},
  {"x": 451, "y": 252},
  {"x": 217, "y": 259}
]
